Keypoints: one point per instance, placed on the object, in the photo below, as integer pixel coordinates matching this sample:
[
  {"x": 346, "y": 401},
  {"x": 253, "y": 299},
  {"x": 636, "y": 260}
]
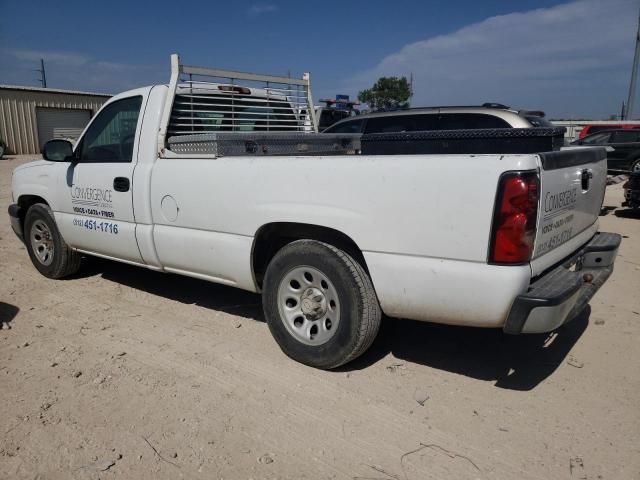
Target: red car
[{"x": 589, "y": 129}]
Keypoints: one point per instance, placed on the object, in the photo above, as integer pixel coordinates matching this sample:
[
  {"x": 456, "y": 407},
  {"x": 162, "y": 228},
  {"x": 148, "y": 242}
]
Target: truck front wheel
[
  {"x": 48, "y": 251},
  {"x": 320, "y": 304}
]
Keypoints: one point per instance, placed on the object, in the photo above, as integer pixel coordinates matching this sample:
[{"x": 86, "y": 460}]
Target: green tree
[{"x": 388, "y": 93}]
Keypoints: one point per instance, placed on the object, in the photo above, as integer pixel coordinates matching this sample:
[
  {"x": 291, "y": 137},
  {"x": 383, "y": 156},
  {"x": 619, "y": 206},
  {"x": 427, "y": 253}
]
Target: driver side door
[{"x": 97, "y": 209}]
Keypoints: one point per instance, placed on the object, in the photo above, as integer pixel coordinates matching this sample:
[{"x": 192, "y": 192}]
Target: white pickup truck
[{"x": 332, "y": 239}]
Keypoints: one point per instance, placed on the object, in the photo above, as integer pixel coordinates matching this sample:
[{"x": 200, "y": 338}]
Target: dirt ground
[{"x": 125, "y": 373}]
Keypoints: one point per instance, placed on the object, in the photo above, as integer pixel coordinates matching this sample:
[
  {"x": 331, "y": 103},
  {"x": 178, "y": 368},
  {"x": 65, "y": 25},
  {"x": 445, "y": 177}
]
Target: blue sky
[{"x": 572, "y": 59}]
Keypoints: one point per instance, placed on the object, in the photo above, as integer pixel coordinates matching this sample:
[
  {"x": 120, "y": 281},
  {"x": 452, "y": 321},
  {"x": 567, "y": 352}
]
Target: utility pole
[
  {"x": 410, "y": 85},
  {"x": 43, "y": 75},
  {"x": 634, "y": 75}
]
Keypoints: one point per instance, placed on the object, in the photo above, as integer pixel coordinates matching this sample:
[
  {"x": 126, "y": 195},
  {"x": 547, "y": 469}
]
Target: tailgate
[{"x": 572, "y": 185}]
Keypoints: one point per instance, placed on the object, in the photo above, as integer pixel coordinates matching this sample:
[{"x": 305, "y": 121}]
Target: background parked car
[
  {"x": 623, "y": 152},
  {"x": 488, "y": 115},
  {"x": 595, "y": 128}
]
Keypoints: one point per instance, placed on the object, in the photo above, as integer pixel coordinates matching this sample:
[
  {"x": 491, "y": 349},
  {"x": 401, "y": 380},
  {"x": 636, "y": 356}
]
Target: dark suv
[
  {"x": 489, "y": 115},
  {"x": 623, "y": 148}
]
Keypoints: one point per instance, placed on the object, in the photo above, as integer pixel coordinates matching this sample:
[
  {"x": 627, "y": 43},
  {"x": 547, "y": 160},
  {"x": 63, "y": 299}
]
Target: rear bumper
[
  {"x": 560, "y": 294},
  {"x": 15, "y": 217}
]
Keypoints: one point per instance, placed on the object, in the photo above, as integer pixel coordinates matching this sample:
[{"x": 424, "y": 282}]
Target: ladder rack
[{"x": 210, "y": 100}]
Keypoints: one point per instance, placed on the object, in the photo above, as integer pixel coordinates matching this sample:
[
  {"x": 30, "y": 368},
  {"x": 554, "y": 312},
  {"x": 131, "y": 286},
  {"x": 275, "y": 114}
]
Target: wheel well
[
  {"x": 26, "y": 201},
  {"x": 273, "y": 236}
]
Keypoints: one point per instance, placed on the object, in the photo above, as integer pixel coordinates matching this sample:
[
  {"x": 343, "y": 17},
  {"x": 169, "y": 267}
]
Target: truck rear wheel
[
  {"x": 320, "y": 304},
  {"x": 48, "y": 251}
]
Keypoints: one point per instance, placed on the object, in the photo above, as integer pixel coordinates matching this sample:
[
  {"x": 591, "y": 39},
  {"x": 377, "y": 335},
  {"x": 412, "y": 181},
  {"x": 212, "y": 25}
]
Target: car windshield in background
[
  {"x": 599, "y": 128},
  {"x": 596, "y": 138},
  {"x": 330, "y": 116},
  {"x": 536, "y": 121}
]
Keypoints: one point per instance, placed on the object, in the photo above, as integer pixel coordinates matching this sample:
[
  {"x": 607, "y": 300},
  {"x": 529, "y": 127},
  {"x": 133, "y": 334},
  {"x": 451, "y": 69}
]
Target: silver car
[{"x": 488, "y": 115}]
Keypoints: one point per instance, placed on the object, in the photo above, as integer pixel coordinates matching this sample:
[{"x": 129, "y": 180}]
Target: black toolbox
[{"x": 478, "y": 141}]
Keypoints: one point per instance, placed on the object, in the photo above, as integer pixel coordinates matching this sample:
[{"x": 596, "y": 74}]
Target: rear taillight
[{"x": 514, "y": 220}]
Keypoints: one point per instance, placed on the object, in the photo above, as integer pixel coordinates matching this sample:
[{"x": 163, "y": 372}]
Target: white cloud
[
  {"x": 572, "y": 60},
  {"x": 72, "y": 70},
  {"x": 63, "y": 58},
  {"x": 262, "y": 8}
]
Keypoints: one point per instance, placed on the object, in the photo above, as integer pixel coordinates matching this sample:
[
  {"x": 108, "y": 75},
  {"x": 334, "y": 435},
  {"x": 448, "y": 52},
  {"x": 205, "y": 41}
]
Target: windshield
[{"x": 596, "y": 138}]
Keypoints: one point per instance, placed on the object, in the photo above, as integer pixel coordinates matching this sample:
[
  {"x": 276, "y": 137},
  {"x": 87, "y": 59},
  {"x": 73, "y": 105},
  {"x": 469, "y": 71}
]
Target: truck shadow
[
  {"x": 513, "y": 362},
  {"x": 182, "y": 289},
  {"x": 628, "y": 213},
  {"x": 7, "y": 313}
]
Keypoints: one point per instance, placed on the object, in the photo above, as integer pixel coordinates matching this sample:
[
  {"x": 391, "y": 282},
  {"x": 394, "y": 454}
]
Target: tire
[
  {"x": 635, "y": 166},
  {"x": 48, "y": 251},
  {"x": 337, "y": 297}
]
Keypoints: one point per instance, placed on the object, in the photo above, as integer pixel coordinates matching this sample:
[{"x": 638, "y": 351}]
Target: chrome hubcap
[
  {"x": 309, "y": 305},
  {"x": 636, "y": 167},
  {"x": 42, "y": 242},
  {"x": 313, "y": 303}
]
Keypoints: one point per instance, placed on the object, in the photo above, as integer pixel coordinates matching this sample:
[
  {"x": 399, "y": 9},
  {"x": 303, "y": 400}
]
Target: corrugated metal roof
[{"x": 52, "y": 90}]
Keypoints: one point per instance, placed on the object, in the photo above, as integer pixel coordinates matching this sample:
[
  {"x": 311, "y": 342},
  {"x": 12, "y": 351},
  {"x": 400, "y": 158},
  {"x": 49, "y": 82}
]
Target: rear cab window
[{"x": 219, "y": 112}]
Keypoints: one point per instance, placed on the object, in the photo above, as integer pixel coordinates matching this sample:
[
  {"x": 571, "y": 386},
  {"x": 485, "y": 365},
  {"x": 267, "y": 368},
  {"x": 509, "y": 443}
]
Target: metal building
[{"x": 30, "y": 116}]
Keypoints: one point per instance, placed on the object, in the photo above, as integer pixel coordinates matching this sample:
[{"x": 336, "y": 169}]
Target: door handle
[{"x": 121, "y": 184}]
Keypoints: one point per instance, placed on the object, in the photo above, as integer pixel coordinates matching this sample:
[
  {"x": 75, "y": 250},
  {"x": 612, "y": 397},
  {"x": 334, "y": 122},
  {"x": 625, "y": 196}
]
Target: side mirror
[{"x": 57, "y": 151}]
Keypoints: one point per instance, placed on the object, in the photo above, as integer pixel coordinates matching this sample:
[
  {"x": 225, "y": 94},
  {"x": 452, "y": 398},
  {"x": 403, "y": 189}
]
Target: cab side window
[
  {"x": 627, "y": 136},
  {"x": 110, "y": 136},
  {"x": 390, "y": 124},
  {"x": 460, "y": 121}
]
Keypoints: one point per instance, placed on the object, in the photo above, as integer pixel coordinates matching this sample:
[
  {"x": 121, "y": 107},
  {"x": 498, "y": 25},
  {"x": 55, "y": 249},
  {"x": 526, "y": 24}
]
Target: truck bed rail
[{"x": 227, "y": 144}]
